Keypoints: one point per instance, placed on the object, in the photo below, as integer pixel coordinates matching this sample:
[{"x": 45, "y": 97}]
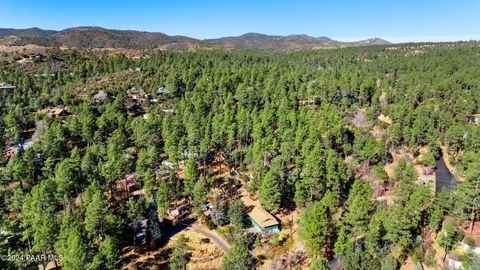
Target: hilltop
[
  {"x": 96, "y": 37},
  {"x": 290, "y": 42}
]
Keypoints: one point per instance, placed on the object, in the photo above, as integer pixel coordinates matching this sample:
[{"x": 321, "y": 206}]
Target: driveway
[
  {"x": 212, "y": 236},
  {"x": 443, "y": 176}
]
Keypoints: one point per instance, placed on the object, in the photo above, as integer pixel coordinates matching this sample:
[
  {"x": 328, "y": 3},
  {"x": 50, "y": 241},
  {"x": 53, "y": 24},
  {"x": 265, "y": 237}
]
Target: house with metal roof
[
  {"x": 7, "y": 86},
  {"x": 383, "y": 118},
  {"x": 260, "y": 218},
  {"x": 474, "y": 119}
]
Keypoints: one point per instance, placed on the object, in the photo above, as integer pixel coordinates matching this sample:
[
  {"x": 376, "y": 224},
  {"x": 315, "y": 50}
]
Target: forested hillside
[
  {"x": 96, "y": 37},
  {"x": 302, "y": 130}
]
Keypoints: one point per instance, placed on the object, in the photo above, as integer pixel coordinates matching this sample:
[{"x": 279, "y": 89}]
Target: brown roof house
[
  {"x": 383, "y": 118},
  {"x": 8, "y": 153},
  {"x": 179, "y": 212},
  {"x": 262, "y": 220},
  {"x": 137, "y": 93},
  {"x": 129, "y": 183},
  {"x": 52, "y": 265},
  {"x": 57, "y": 112}
]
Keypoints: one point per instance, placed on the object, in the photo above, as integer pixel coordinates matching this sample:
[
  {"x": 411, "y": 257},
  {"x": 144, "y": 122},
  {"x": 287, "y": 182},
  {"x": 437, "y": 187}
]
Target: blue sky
[{"x": 394, "y": 20}]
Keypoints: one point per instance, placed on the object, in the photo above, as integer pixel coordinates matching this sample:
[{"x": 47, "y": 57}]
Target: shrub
[
  {"x": 275, "y": 241},
  {"x": 210, "y": 225},
  {"x": 470, "y": 241},
  {"x": 282, "y": 237}
]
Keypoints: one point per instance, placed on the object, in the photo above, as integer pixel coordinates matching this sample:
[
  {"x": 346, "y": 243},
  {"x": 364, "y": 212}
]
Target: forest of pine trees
[{"x": 282, "y": 119}]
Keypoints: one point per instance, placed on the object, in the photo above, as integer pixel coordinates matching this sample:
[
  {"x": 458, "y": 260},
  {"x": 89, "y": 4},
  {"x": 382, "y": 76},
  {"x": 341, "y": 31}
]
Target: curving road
[{"x": 214, "y": 238}]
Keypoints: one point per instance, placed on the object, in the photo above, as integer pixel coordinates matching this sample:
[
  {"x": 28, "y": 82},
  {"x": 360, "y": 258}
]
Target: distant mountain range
[{"x": 97, "y": 37}]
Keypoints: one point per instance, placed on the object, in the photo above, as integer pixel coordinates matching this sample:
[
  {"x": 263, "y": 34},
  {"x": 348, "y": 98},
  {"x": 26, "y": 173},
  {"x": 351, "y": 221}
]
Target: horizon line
[{"x": 392, "y": 39}]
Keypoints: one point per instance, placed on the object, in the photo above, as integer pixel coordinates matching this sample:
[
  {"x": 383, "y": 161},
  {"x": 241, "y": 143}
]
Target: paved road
[
  {"x": 443, "y": 176},
  {"x": 217, "y": 240},
  {"x": 335, "y": 264}
]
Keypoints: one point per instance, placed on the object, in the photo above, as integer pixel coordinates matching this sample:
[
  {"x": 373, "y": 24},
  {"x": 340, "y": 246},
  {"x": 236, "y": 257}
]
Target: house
[
  {"x": 308, "y": 101},
  {"x": 36, "y": 56},
  {"x": 139, "y": 228},
  {"x": 137, "y": 93},
  {"x": 474, "y": 119},
  {"x": 167, "y": 110},
  {"x": 349, "y": 96},
  {"x": 162, "y": 173},
  {"x": 453, "y": 261},
  {"x": 262, "y": 220},
  {"x": 15, "y": 150},
  {"x": 162, "y": 91},
  {"x": 129, "y": 183},
  {"x": 138, "y": 193},
  {"x": 7, "y": 86},
  {"x": 428, "y": 170},
  {"x": 57, "y": 112},
  {"x": 383, "y": 118},
  {"x": 12, "y": 239},
  {"x": 52, "y": 265},
  {"x": 137, "y": 68},
  {"x": 100, "y": 96},
  {"x": 8, "y": 153},
  {"x": 470, "y": 242},
  {"x": 179, "y": 212}
]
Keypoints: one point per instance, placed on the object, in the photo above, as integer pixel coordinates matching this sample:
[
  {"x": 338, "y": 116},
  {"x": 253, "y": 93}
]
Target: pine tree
[
  {"x": 449, "y": 237},
  {"x": 238, "y": 257},
  {"x": 270, "y": 192},
  {"x": 162, "y": 199},
  {"x": 319, "y": 264},
  {"x": 200, "y": 192},
  {"x": 38, "y": 216},
  {"x": 191, "y": 176},
  {"x": 180, "y": 254},
  {"x": 359, "y": 259},
  {"x": 410, "y": 205},
  {"x": 154, "y": 228},
  {"x": 219, "y": 211},
  {"x": 316, "y": 228},
  {"x": 343, "y": 244},
  {"x": 236, "y": 213},
  {"x": 68, "y": 174},
  {"x": 312, "y": 183},
  {"x": 98, "y": 217},
  {"x": 375, "y": 236},
  {"x": 76, "y": 255},
  {"x": 359, "y": 207},
  {"x": 467, "y": 197},
  {"x": 440, "y": 206},
  {"x": 108, "y": 255},
  {"x": 149, "y": 184}
]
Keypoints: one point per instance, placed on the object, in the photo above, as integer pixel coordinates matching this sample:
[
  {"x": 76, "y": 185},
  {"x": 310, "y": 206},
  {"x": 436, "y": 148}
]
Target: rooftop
[
  {"x": 130, "y": 180},
  {"x": 384, "y": 119},
  {"x": 6, "y": 85},
  {"x": 258, "y": 213},
  {"x": 101, "y": 95},
  {"x": 465, "y": 227},
  {"x": 54, "y": 112}
]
